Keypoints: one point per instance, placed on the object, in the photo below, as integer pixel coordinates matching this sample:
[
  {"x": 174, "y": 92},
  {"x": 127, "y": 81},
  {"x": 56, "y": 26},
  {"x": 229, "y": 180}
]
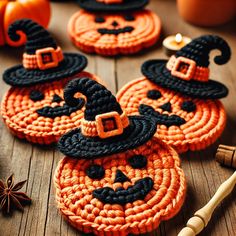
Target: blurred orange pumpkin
[{"x": 10, "y": 11}]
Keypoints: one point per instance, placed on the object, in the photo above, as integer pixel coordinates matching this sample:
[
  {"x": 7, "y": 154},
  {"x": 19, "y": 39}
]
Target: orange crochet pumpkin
[
  {"x": 117, "y": 178},
  {"x": 34, "y": 108},
  {"x": 180, "y": 97},
  {"x": 10, "y": 11},
  {"x": 113, "y": 33}
]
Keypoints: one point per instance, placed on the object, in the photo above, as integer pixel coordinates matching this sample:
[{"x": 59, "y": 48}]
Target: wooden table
[{"x": 37, "y": 164}]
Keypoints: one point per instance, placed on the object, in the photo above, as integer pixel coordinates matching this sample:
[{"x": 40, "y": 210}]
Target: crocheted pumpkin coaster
[
  {"x": 179, "y": 95},
  {"x": 117, "y": 178},
  {"x": 34, "y": 107},
  {"x": 110, "y": 33}
]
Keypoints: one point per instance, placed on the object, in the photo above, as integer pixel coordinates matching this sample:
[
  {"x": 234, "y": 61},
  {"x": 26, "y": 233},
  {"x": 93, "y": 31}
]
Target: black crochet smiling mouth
[
  {"x": 127, "y": 29},
  {"x": 123, "y": 196},
  {"x": 162, "y": 119},
  {"x": 58, "y": 111}
]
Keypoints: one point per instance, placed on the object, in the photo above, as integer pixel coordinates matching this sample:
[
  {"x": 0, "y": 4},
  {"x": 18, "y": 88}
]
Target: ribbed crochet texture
[
  {"x": 114, "y": 33},
  {"x": 200, "y": 127}
]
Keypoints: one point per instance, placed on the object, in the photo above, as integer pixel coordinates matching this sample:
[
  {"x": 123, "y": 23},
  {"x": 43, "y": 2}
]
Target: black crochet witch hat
[
  {"x": 105, "y": 129},
  {"x": 43, "y": 60},
  {"x": 112, "y": 5},
  {"x": 187, "y": 71}
]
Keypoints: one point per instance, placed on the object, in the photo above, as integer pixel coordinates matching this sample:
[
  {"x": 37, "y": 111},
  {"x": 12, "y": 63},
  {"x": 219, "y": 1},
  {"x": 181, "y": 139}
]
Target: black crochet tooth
[
  {"x": 199, "y": 48},
  {"x": 99, "y": 99},
  {"x": 56, "y": 98},
  {"x": 37, "y": 36}
]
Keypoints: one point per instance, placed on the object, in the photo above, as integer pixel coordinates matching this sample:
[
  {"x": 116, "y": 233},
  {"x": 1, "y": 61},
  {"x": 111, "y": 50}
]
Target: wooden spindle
[{"x": 226, "y": 156}]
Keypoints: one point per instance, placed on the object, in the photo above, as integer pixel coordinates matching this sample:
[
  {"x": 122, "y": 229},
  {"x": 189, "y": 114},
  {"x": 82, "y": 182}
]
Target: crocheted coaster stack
[
  {"x": 179, "y": 95},
  {"x": 117, "y": 178},
  {"x": 111, "y": 27},
  {"x": 34, "y": 108}
]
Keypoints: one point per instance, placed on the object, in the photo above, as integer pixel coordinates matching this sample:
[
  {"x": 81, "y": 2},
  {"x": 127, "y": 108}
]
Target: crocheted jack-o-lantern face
[
  {"x": 185, "y": 123},
  {"x": 34, "y": 107},
  {"x": 117, "y": 178},
  {"x": 111, "y": 34},
  {"x": 180, "y": 97},
  {"x": 39, "y": 114},
  {"x": 143, "y": 186}
]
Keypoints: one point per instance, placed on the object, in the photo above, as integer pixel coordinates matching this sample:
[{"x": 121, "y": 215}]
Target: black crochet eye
[
  {"x": 153, "y": 94},
  {"x": 36, "y": 95},
  {"x": 129, "y": 18},
  {"x": 138, "y": 161},
  {"x": 95, "y": 171},
  {"x": 188, "y": 106},
  {"x": 99, "y": 19}
]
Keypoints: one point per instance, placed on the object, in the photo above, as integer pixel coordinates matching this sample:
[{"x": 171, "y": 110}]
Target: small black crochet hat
[
  {"x": 43, "y": 60},
  {"x": 187, "y": 71},
  {"x": 105, "y": 129},
  {"x": 112, "y": 5}
]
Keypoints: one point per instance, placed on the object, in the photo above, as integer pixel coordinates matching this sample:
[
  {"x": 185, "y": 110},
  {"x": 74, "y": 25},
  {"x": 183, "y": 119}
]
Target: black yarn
[
  {"x": 166, "y": 107},
  {"x": 129, "y": 18},
  {"x": 120, "y": 177},
  {"x": 188, "y": 106},
  {"x": 127, "y": 29},
  {"x": 58, "y": 111},
  {"x": 140, "y": 130},
  {"x": 36, "y": 95},
  {"x": 99, "y": 19},
  {"x": 72, "y": 64},
  {"x": 138, "y": 161},
  {"x": 99, "y": 99},
  {"x": 126, "y": 5},
  {"x": 56, "y": 98},
  {"x": 199, "y": 48},
  {"x": 154, "y": 94},
  {"x": 37, "y": 36},
  {"x": 95, "y": 171},
  {"x": 161, "y": 119},
  {"x": 156, "y": 71},
  {"x": 123, "y": 196}
]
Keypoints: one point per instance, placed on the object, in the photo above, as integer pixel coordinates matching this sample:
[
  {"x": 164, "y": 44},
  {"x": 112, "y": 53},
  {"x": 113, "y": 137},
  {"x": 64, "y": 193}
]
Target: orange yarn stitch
[
  {"x": 74, "y": 191},
  {"x": 112, "y": 34},
  {"x": 202, "y": 127},
  {"x": 19, "y": 112}
]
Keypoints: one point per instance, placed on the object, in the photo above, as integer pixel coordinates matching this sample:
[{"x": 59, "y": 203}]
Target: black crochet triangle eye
[
  {"x": 36, "y": 95},
  {"x": 166, "y": 107},
  {"x": 56, "y": 98},
  {"x": 120, "y": 177},
  {"x": 95, "y": 171}
]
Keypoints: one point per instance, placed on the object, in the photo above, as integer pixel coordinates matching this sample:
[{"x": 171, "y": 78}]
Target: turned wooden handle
[{"x": 201, "y": 218}]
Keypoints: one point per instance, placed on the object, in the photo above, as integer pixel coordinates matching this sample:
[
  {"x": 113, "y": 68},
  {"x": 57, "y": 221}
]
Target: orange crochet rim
[
  {"x": 74, "y": 191},
  {"x": 19, "y": 112},
  {"x": 114, "y": 34},
  {"x": 202, "y": 127}
]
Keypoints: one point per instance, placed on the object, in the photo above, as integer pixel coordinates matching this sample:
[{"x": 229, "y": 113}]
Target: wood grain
[{"x": 37, "y": 164}]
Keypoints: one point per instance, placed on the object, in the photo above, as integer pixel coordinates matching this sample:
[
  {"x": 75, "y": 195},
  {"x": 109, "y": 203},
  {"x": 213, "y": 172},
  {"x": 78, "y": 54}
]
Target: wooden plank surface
[{"x": 37, "y": 164}]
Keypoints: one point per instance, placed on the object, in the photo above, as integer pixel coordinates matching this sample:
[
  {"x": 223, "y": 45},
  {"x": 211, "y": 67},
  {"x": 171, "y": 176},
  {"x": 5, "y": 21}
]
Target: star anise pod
[{"x": 10, "y": 197}]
